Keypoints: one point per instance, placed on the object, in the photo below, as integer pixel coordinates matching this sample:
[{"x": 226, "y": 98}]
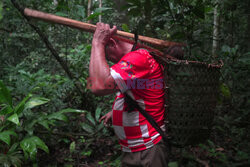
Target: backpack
[{"x": 191, "y": 91}]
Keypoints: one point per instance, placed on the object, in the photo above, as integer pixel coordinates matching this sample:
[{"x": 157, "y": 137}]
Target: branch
[
  {"x": 77, "y": 84},
  {"x": 5, "y": 30},
  {"x": 204, "y": 163}
]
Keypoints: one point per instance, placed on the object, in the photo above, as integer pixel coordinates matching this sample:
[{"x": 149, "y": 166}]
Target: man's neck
[{"x": 126, "y": 47}]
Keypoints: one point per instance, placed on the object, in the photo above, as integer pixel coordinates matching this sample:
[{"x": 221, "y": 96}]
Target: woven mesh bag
[{"x": 191, "y": 95}]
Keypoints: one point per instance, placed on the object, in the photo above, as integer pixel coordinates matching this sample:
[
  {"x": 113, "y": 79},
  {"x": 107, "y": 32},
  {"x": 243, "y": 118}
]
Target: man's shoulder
[
  {"x": 140, "y": 56},
  {"x": 139, "y": 52}
]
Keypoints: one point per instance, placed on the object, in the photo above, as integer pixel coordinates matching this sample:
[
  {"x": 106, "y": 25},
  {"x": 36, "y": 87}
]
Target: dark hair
[{"x": 175, "y": 51}]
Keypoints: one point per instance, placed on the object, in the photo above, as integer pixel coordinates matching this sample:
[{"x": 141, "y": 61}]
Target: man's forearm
[
  {"x": 101, "y": 82},
  {"x": 98, "y": 68}
]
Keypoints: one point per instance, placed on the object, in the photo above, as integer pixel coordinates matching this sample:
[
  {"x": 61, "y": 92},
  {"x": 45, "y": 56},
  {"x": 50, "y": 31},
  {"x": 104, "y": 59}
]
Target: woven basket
[{"x": 191, "y": 95}]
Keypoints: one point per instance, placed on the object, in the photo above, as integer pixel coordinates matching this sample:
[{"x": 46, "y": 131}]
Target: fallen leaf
[{"x": 220, "y": 149}]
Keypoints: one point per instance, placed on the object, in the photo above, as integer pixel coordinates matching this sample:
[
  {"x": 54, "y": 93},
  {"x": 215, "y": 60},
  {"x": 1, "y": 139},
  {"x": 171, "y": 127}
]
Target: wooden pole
[{"x": 91, "y": 28}]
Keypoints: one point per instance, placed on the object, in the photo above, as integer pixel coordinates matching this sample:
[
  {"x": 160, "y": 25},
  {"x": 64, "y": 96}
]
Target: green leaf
[
  {"x": 45, "y": 124},
  {"x": 245, "y": 59},
  {"x": 14, "y": 158},
  {"x": 242, "y": 155},
  {"x": 61, "y": 14},
  {"x": 135, "y": 2},
  {"x": 225, "y": 90},
  {"x": 80, "y": 11},
  {"x": 100, "y": 162},
  {"x": 30, "y": 145},
  {"x": 208, "y": 9},
  {"x": 86, "y": 153},
  {"x": 14, "y": 118},
  {"x": 5, "y": 96},
  {"x": 99, "y": 10},
  {"x": 2, "y": 127},
  {"x": 29, "y": 148},
  {"x": 59, "y": 116},
  {"x": 36, "y": 101},
  {"x": 87, "y": 128},
  {"x": 5, "y": 136},
  {"x": 94, "y": 15},
  {"x": 6, "y": 110},
  {"x": 29, "y": 127},
  {"x": 199, "y": 9},
  {"x": 100, "y": 127},
  {"x": 40, "y": 144},
  {"x": 90, "y": 118},
  {"x": 67, "y": 165},
  {"x": 125, "y": 27},
  {"x": 20, "y": 107},
  {"x": 13, "y": 148},
  {"x": 70, "y": 110},
  {"x": 72, "y": 147},
  {"x": 98, "y": 113},
  {"x": 211, "y": 144},
  {"x": 1, "y": 10},
  {"x": 173, "y": 164}
]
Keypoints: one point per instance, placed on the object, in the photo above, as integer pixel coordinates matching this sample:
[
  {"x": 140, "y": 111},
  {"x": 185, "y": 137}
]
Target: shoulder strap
[
  {"x": 148, "y": 117},
  {"x": 136, "y": 40}
]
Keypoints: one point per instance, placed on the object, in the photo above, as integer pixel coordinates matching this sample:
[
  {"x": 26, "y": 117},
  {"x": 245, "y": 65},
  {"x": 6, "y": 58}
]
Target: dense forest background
[{"x": 49, "y": 118}]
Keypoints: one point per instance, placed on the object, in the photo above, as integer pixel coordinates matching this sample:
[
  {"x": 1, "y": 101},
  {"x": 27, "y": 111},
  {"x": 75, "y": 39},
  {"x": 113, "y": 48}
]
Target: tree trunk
[
  {"x": 89, "y": 9},
  {"x": 100, "y": 5},
  {"x": 215, "y": 31},
  {"x": 248, "y": 29},
  {"x": 55, "y": 2}
]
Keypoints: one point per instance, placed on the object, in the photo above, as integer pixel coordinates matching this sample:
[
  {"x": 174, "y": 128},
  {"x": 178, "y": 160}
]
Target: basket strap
[
  {"x": 136, "y": 40},
  {"x": 149, "y": 118}
]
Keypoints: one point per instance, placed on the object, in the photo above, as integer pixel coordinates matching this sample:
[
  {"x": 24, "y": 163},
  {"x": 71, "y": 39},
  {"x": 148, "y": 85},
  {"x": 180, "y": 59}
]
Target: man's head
[
  {"x": 175, "y": 51},
  {"x": 116, "y": 49}
]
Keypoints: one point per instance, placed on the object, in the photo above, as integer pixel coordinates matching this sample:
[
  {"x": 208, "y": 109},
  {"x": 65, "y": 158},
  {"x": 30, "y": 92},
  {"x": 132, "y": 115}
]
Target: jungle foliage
[{"x": 45, "y": 121}]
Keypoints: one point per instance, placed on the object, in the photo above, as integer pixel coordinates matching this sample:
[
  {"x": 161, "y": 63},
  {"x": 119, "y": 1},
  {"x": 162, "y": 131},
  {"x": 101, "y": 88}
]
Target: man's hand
[
  {"x": 107, "y": 118},
  {"x": 103, "y": 33}
]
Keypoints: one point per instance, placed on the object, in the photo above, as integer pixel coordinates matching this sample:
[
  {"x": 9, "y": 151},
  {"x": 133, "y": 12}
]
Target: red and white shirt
[{"x": 138, "y": 74}]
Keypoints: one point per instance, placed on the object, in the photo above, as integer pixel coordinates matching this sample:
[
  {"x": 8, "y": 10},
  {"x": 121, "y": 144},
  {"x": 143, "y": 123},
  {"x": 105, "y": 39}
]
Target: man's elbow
[
  {"x": 94, "y": 88},
  {"x": 97, "y": 92},
  {"x": 101, "y": 89}
]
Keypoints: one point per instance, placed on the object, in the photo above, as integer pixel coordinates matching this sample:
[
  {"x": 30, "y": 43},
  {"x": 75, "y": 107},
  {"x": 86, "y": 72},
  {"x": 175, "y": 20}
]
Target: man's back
[{"x": 140, "y": 76}]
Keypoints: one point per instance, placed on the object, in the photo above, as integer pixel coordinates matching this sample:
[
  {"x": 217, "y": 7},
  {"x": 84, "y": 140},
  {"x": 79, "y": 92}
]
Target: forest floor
[{"x": 103, "y": 152}]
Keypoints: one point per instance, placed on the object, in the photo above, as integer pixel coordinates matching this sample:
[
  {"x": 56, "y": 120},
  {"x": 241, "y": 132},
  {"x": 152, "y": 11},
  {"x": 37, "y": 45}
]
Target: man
[{"x": 141, "y": 77}]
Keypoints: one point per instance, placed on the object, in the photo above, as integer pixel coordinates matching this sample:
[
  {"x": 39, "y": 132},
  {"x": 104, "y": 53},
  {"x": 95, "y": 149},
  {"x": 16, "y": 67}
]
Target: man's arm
[{"x": 101, "y": 82}]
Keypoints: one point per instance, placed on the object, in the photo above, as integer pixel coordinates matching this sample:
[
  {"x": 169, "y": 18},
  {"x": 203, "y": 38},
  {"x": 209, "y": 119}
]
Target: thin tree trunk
[
  {"x": 55, "y": 2},
  {"x": 215, "y": 31},
  {"x": 248, "y": 30},
  {"x": 89, "y": 9},
  {"x": 100, "y": 5}
]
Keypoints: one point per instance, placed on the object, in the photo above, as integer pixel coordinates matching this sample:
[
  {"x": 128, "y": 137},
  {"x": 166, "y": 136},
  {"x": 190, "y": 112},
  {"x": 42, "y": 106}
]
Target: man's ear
[{"x": 112, "y": 43}]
